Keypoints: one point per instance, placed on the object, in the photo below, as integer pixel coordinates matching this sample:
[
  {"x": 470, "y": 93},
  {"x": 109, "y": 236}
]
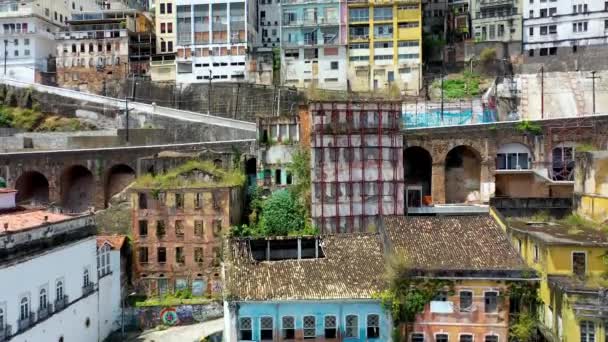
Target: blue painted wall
[{"x": 299, "y": 309}]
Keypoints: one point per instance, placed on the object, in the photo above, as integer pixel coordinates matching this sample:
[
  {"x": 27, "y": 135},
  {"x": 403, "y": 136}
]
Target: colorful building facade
[{"x": 385, "y": 45}]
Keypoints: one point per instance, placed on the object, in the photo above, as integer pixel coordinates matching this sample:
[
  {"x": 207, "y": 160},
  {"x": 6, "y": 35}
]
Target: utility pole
[
  {"x": 593, "y": 78},
  {"x": 209, "y": 93},
  {"x": 542, "y": 92},
  {"x": 127, "y": 116}
]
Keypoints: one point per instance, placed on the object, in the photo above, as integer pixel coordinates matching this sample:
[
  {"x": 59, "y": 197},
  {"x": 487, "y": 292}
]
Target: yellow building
[
  {"x": 591, "y": 185},
  {"x": 385, "y": 45},
  {"x": 162, "y": 65},
  {"x": 573, "y": 263}
]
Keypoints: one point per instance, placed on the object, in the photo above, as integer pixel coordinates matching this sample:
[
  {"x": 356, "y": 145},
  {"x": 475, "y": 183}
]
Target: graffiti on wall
[
  {"x": 169, "y": 317},
  {"x": 151, "y": 316}
]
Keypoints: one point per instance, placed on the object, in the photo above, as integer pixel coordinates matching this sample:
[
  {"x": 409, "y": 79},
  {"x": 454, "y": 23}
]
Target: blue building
[{"x": 305, "y": 288}]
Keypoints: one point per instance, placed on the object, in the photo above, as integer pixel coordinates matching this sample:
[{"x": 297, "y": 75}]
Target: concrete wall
[
  {"x": 151, "y": 316},
  {"x": 586, "y": 58},
  {"x": 110, "y": 297},
  {"x": 591, "y": 185}
]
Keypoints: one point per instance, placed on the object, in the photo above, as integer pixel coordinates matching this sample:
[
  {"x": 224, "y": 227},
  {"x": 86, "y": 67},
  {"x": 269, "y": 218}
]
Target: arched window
[
  {"x": 513, "y": 157},
  {"x": 25, "y": 308},
  {"x": 43, "y": 299},
  {"x": 563, "y": 162},
  {"x": 85, "y": 277},
  {"x": 59, "y": 290}
]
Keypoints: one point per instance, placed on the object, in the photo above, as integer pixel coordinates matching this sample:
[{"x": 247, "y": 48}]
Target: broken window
[
  {"x": 277, "y": 177},
  {"x": 179, "y": 255},
  {"x": 143, "y": 255},
  {"x": 266, "y": 328},
  {"x": 161, "y": 254},
  {"x": 579, "y": 263},
  {"x": 466, "y": 301},
  {"x": 143, "y": 228},
  {"x": 352, "y": 326},
  {"x": 441, "y": 338},
  {"x": 217, "y": 227},
  {"x": 198, "y": 228},
  {"x": 161, "y": 197},
  {"x": 179, "y": 228},
  {"x": 217, "y": 257},
  {"x": 289, "y": 328},
  {"x": 160, "y": 229},
  {"x": 309, "y": 327},
  {"x": 179, "y": 201},
  {"x": 563, "y": 163},
  {"x": 288, "y": 177},
  {"x": 330, "y": 327},
  {"x": 373, "y": 326},
  {"x": 442, "y": 296},
  {"x": 245, "y": 329},
  {"x": 198, "y": 200},
  {"x": 198, "y": 255},
  {"x": 217, "y": 201},
  {"x": 491, "y": 302},
  {"x": 143, "y": 201}
]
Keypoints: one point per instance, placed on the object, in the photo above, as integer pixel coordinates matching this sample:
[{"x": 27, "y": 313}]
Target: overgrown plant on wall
[
  {"x": 406, "y": 295},
  {"x": 528, "y": 127},
  {"x": 524, "y": 301},
  {"x": 300, "y": 169}
]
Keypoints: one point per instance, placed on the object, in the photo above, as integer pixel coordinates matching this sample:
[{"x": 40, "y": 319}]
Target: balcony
[
  {"x": 88, "y": 289},
  {"x": 5, "y": 332},
  {"x": 43, "y": 313},
  {"x": 24, "y": 324},
  {"x": 61, "y": 303},
  {"x": 495, "y": 3}
]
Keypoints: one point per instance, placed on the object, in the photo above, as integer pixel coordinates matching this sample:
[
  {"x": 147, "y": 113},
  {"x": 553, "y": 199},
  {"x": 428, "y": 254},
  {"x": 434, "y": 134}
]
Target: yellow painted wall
[{"x": 593, "y": 207}]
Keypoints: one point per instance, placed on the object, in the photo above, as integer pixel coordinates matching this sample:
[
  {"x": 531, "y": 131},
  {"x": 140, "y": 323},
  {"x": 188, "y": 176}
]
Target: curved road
[{"x": 186, "y": 333}]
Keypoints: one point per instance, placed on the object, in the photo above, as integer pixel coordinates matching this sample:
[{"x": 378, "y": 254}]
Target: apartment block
[
  {"x": 313, "y": 44},
  {"x": 162, "y": 64},
  {"x": 566, "y": 29},
  {"x": 385, "y": 45},
  {"x": 497, "y": 20},
  {"x": 177, "y": 229},
  {"x": 28, "y": 29},
  {"x": 269, "y": 24},
  {"x": 213, "y": 39}
]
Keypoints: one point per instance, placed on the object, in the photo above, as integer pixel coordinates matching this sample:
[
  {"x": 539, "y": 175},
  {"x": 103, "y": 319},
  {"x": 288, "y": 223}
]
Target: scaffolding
[{"x": 357, "y": 155}]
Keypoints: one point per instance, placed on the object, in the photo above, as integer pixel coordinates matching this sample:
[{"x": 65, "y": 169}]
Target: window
[
  {"x": 330, "y": 327},
  {"x": 543, "y": 51},
  {"x": 309, "y": 327},
  {"x": 198, "y": 255},
  {"x": 466, "y": 301},
  {"x": 288, "y": 328},
  {"x": 579, "y": 263},
  {"x": 543, "y": 13},
  {"x": 383, "y": 13},
  {"x": 351, "y": 328},
  {"x": 162, "y": 8},
  {"x": 512, "y": 160},
  {"x": 491, "y": 302},
  {"x": 163, "y": 47},
  {"x": 169, "y": 27},
  {"x": 143, "y": 201},
  {"x": 163, "y": 28},
  {"x": 25, "y": 308},
  {"x": 266, "y": 328},
  {"x": 85, "y": 278},
  {"x": 179, "y": 255},
  {"x": 441, "y": 338},
  {"x": 179, "y": 228},
  {"x": 587, "y": 331},
  {"x": 161, "y": 254},
  {"x": 143, "y": 255},
  {"x": 169, "y": 8},
  {"x": 198, "y": 228},
  {"x": 334, "y": 65},
  {"x": 466, "y": 338},
  {"x": 491, "y": 338},
  {"x": 543, "y": 30},
  {"x": 553, "y": 51},
  {"x": 217, "y": 227},
  {"x": 59, "y": 290},
  {"x": 245, "y": 329},
  {"x": 160, "y": 228},
  {"x": 373, "y": 326},
  {"x": 43, "y": 301},
  {"x": 531, "y": 31},
  {"x": 536, "y": 253},
  {"x": 552, "y": 29},
  {"x": 143, "y": 227},
  {"x": 552, "y": 11},
  {"x": 418, "y": 337},
  {"x": 179, "y": 201},
  {"x": 198, "y": 200}
]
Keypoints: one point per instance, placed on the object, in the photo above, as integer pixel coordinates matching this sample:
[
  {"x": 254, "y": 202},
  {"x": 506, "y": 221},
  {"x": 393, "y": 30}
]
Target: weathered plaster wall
[
  {"x": 150, "y": 316},
  {"x": 591, "y": 185}
]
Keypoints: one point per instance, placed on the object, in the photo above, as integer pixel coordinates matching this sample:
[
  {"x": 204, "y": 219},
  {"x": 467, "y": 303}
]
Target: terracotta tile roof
[
  {"x": 555, "y": 233},
  {"x": 572, "y": 283},
  {"x": 452, "y": 243},
  {"x": 351, "y": 269},
  {"x": 116, "y": 241},
  {"x": 23, "y": 219}
]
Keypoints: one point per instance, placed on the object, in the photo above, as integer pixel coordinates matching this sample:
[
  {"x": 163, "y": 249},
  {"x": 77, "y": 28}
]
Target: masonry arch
[
  {"x": 77, "y": 188},
  {"x": 418, "y": 164},
  {"x": 463, "y": 175},
  {"x": 33, "y": 188},
  {"x": 117, "y": 179}
]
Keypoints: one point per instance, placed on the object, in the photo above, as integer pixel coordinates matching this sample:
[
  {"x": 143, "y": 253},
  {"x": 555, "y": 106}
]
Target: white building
[
  {"x": 269, "y": 24},
  {"x": 497, "y": 20},
  {"x": 48, "y": 266},
  {"x": 111, "y": 272},
  {"x": 213, "y": 40},
  {"x": 27, "y": 34},
  {"x": 565, "y": 28}
]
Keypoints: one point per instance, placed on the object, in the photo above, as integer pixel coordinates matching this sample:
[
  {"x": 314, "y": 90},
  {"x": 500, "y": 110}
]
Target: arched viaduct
[{"x": 79, "y": 179}]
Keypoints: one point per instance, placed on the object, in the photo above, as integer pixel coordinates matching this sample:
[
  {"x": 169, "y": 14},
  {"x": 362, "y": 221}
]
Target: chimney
[{"x": 7, "y": 198}]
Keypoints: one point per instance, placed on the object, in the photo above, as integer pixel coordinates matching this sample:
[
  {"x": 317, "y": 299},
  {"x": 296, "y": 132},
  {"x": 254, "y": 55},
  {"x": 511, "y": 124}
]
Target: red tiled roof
[
  {"x": 24, "y": 219},
  {"x": 116, "y": 241}
]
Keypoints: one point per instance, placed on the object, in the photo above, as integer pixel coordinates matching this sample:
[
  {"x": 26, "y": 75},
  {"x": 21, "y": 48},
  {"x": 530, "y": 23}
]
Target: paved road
[{"x": 187, "y": 333}]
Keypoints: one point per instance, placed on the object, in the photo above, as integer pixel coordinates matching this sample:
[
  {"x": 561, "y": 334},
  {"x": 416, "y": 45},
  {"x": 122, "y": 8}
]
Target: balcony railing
[
  {"x": 488, "y": 3},
  {"x": 43, "y": 313},
  {"x": 24, "y": 324},
  {"x": 5, "y": 332},
  {"x": 88, "y": 289},
  {"x": 61, "y": 303}
]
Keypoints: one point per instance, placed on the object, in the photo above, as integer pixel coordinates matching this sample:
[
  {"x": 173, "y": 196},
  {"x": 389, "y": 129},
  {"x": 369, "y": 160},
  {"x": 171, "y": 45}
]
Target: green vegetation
[
  {"x": 526, "y": 126},
  {"x": 460, "y": 86},
  {"x": 525, "y": 301},
  {"x": 300, "y": 168},
  {"x": 586, "y": 148},
  {"x": 172, "y": 299},
  {"x": 487, "y": 55},
  {"x": 576, "y": 222},
  {"x": 33, "y": 120},
  {"x": 182, "y": 177},
  {"x": 523, "y": 328}
]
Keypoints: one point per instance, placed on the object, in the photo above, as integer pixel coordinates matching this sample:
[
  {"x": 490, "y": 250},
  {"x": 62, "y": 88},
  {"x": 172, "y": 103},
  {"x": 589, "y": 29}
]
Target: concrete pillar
[{"x": 438, "y": 183}]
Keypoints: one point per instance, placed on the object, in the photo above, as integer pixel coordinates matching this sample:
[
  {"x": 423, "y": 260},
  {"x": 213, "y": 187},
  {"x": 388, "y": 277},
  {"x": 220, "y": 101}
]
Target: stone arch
[
  {"x": 418, "y": 170},
  {"x": 118, "y": 177},
  {"x": 33, "y": 188},
  {"x": 77, "y": 188},
  {"x": 463, "y": 175}
]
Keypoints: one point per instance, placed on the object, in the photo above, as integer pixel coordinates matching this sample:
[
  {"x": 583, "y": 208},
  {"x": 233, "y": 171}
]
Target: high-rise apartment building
[
  {"x": 27, "y": 33},
  {"x": 385, "y": 45},
  {"x": 575, "y": 30},
  {"x": 213, "y": 39},
  {"x": 269, "y": 23},
  {"x": 162, "y": 65},
  {"x": 313, "y": 42},
  {"x": 497, "y": 20}
]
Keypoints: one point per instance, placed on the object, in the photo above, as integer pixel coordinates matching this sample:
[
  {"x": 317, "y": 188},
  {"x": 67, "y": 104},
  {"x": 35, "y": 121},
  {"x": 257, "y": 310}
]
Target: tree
[
  {"x": 300, "y": 167},
  {"x": 282, "y": 214}
]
